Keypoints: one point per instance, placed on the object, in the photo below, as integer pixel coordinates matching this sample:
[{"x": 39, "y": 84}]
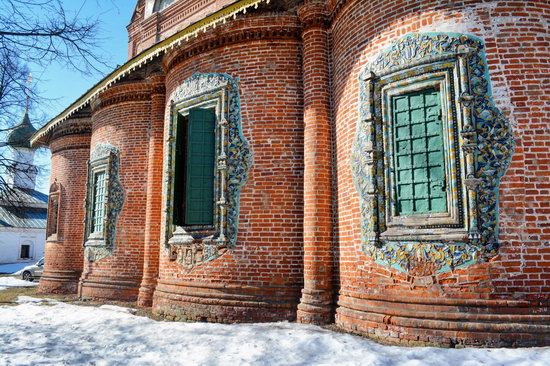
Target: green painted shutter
[
  {"x": 201, "y": 151},
  {"x": 179, "y": 171},
  {"x": 419, "y": 159}
]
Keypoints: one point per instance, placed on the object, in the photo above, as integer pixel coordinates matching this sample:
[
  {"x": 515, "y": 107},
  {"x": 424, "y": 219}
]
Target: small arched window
[{"x": 162, "y": 4}]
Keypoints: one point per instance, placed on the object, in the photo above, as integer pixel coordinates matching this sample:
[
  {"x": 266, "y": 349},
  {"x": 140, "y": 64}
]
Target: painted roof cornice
[{"x": 142, "y": 59}]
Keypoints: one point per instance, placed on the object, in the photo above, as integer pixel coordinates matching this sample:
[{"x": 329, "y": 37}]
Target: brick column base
[
  {"x": 59, "y": 282},
  {"x": 315, "y": 307}
]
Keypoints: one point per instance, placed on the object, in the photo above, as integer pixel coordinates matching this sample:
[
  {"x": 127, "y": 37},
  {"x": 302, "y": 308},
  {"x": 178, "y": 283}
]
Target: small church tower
[
  {"x": 23, "y": 210},
  {"x": 22, "y": 171}
]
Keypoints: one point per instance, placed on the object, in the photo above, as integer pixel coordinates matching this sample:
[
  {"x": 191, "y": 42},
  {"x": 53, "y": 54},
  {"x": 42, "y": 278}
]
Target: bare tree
[{"x": 37, "y": 33}]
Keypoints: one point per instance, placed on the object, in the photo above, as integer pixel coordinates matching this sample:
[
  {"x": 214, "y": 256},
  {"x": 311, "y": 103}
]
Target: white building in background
[{"x": 23, "y": 210}]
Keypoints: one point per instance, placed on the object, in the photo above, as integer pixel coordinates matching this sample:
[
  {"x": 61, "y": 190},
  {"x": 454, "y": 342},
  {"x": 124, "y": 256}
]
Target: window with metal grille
[
  {"x": 195, "y": 168},
  {"x": 98, "y": 202},
  {"x": 419, "y": 156}
]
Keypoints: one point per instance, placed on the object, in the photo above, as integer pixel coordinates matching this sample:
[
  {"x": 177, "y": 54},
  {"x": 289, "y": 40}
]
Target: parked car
[{"x": 32, "y": 272}]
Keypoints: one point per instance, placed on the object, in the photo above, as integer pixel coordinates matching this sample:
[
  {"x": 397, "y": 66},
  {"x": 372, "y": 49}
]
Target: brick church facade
[{"x": 382, "y": 165}]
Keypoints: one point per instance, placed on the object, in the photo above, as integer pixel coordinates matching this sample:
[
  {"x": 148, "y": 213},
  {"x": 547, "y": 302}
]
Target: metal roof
[
  {"x": 23, "y": 217},
  {"x": 30, "y": 211}
]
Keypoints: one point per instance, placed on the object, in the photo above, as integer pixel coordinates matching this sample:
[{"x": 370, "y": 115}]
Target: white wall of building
[{"x": 11, "y": 241}]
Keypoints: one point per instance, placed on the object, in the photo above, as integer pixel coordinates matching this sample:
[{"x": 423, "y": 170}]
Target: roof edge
[{"x": 142, "y": 59}]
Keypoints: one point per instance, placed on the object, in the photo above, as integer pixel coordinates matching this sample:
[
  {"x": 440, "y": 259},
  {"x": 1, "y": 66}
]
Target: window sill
[
  {"x": 95, "y": 242},
  {"x": 425, "y": 234},
  {"x": 52, "y": 238}
]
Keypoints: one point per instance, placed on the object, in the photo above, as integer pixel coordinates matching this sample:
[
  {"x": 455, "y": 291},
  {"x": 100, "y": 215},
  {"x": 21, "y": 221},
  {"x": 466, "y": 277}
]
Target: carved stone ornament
[
  {"x": 479, "y": 147},
  {"x": 104, "y": 157},
  {"x": 233, "y": 161}
]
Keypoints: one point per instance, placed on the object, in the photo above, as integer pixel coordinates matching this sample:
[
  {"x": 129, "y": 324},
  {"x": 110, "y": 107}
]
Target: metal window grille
[
  {"x": 98, "y": 202},
  {"x": 419, "y": 159}
]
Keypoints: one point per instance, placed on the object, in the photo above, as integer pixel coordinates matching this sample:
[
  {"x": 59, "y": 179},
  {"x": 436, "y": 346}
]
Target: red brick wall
[
  {"x": 499, "y": 302},
  {"x": 261, "y": 278},
  {"x": 149, "y": 29},
  {"x": 63, "y": 257},
  {"x": 518, "y": 54},
  {"x": 122, "y": 120}
]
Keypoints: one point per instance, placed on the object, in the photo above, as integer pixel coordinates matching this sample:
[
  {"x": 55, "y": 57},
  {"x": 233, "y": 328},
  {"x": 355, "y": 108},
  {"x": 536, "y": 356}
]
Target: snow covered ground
[
  {"x": 46, "y": 332},
  {"x": 6, "y": 282}
]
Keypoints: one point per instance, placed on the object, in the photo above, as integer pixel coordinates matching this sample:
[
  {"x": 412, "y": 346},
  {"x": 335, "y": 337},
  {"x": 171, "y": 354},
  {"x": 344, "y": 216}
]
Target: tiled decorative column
[
  {"x": 154, "y": 193},
  {"x": 316, "y": 302}
]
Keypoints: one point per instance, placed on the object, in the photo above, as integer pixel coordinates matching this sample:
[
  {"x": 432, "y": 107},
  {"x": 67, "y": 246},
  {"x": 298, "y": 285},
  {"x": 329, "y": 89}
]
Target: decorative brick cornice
[
  {"x": 334, "y": 7},
  {"x": 125, "y": 92},
  {"x": 233, "y": 36},
  {"x": 313, "y": 13},
  {"x": 76, "y": 126},
  {"x": 81, "y": 146}
]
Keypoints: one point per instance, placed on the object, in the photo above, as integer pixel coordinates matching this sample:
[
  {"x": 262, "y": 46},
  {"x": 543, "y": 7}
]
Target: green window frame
[
  {"x": 195, "y": 169},
  {"x": 419, "y": 157}
]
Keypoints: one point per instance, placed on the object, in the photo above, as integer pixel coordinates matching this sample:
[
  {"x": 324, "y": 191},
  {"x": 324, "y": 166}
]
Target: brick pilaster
[
  {"x": 154, "y": 193},
  {"x": 316, "y": 302}
]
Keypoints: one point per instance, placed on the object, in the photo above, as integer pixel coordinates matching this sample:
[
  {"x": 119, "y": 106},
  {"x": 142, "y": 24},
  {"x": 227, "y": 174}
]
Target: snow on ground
[
  {"x": 6, "y": 282},
  {"x": 14, "y": 268},
  {"x": 54, "y": 333}
]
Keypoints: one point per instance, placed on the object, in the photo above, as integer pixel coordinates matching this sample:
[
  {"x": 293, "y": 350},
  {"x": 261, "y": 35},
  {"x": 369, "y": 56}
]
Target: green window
[
  {"x": 419, "y": 161},
  {"x": 195, "y": 169},
  {"x": 98, "y": 202}
]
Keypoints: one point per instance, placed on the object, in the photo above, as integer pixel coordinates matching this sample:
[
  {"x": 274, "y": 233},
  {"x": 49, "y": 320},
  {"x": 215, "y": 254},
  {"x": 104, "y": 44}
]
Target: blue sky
[
  {"x": 62, "y": 86},
  {"x": 65, "y": 86}
]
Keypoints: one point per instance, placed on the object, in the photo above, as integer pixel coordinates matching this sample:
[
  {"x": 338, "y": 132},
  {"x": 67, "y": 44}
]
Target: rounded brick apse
[
  {"x": 380, "y": 166},
  {"x": 70, "y": 147},
  {"x": 259, "y": 278},
  {"x": 501, "y": 301},
  {"x": 113, "y": 264}
]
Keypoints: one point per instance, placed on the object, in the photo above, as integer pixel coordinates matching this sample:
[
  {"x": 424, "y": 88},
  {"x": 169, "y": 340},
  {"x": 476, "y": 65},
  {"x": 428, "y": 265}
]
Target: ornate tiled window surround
[
  {"x": 192, "y": 246},
  {"x": 103, "y": 179},
  {"x": 477, "y": 148}
]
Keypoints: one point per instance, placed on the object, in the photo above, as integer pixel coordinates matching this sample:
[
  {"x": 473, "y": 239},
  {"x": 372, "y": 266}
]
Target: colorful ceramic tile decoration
[
  {"x": 105, "y": 160},
  {"x": 478, "y": 146},
  {"x": 233, "y": 161}
]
